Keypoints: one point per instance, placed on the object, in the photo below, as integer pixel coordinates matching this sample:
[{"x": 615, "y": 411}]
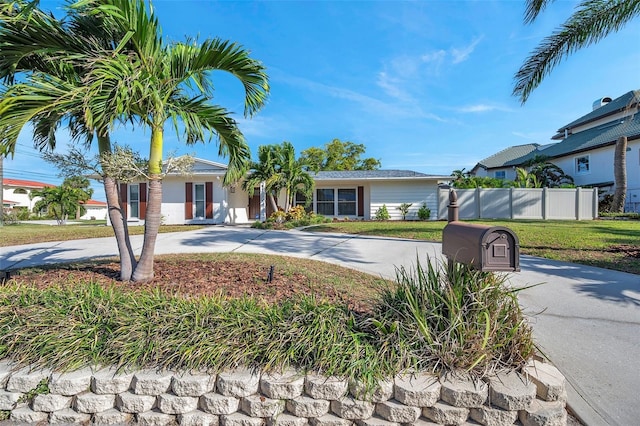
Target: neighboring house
[
  {"x": 19, "y": 192},
  {"x": 94, "y": 210},
  {"x": 586, "y": 147},
  {"x": 200, "y": 197},
  {"x": 502, "y": 164}
]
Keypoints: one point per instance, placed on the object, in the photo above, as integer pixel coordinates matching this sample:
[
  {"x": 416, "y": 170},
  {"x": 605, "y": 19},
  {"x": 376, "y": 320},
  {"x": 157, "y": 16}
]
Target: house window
[
  {"x": 325, "y": 202},
  {"x": 134, "y": 201},
  {"x": 347, "y": 202},
  {"x": 582, "y": 164},
  {"x": 301, "y": 200},
  {"x": 199, "y": 200},
  {"x": 19, "y": 191},
  {"x": 500, "y": 174}
]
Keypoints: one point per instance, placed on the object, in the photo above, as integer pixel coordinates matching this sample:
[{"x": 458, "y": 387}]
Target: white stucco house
[
  {"x": 16, "y": 193},
  {"x": 585, "y": 150},
  {"x": 200, "y": 196}
]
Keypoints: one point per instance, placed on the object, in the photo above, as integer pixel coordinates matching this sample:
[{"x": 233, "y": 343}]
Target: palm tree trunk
[
  {"x": 144, "y": 269},
  {"x": 620, "y": 175},
  {"x": 120, "y": 229},
  {"x": 116, "y": 215},
  {"x": 272, "y": 200}
]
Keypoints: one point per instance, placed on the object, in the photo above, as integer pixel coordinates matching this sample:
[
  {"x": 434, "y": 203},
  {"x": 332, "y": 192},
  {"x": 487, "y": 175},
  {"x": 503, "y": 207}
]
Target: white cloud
[
  {"x": 480, "y": 108},
  {"x": 373, "y": 105},
  {"x": 462, "y": 54},
  {"x": 391, "y": 86}
]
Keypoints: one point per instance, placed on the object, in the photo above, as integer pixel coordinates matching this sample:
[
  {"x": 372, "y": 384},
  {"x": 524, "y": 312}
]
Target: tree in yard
[
  {"x": 82, "y": 184},
  {"x": 279, "y": 169},
  {"x": 620, "y": 175},
  {"x": 266, "y": 170},
  {"x": 59, "y": 201},
  {"x": 338, "y": 155},
  {"x": 591, "y": 22},
  {"x": 137, "y": 77}
]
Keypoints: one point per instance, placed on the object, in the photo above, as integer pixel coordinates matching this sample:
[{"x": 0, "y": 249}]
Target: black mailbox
[{"x": 486, "y": 248}]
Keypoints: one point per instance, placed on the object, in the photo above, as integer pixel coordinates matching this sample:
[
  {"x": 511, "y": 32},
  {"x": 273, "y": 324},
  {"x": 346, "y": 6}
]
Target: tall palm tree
[
  {"x": 143, "y": 80},
  {"x": 591, "y": 22},
  {"x": 157, "y": 82},
  {"x": 53, "y": 54}
]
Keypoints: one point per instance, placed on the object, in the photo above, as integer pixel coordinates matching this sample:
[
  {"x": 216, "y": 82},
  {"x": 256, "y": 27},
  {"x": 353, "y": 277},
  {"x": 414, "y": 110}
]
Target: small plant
[
  {"x": 41, "y": 389},
  {"x": 296, "y": 213},
  {"x": 404, "y": 209},
  {"x": 424, "y": 213},
  {"x": 278, "y": 217},
  {"x": 382, "y": 213},
  {"x": 5, "y": 415}
]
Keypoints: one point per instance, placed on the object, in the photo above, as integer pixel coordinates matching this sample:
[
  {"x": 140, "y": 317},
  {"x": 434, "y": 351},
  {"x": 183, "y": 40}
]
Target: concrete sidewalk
[{"x": 586, "y": 320}]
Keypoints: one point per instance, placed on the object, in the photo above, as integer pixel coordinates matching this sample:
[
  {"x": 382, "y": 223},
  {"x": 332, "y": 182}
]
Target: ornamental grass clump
[
  {"x": 454, "y": 318},
  {"x": 79, "y": 324}
]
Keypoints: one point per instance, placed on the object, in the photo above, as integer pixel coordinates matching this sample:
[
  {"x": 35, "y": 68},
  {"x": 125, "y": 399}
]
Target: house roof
[
  {"x": 603, "y": 135},
  {"x": 94, "y": 203},
  {"x": 512, "y": 155},
  {"x": 25, "y": 183},
  {"x": 372, "y": 174},
  {"x": 616, "y": 105},
  {"x": 9, "y": 202}
]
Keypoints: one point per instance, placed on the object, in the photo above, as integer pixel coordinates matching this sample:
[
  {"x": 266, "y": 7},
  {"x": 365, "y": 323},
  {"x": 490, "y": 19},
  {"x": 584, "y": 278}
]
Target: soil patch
[{"x": 232, "y": 278}]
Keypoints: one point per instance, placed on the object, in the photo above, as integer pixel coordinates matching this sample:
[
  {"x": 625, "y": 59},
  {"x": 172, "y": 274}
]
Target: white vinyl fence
[{"x": 522, "y": 203}]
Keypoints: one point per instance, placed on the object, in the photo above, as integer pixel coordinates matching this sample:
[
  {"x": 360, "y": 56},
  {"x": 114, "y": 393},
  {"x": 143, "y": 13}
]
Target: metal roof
[
  {"x": 616, "y": 105},
  {"x": 372, "y": 174}
]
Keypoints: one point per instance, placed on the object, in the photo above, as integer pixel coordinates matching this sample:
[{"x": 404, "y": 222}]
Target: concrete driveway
[{"x": 586, "y": 320}]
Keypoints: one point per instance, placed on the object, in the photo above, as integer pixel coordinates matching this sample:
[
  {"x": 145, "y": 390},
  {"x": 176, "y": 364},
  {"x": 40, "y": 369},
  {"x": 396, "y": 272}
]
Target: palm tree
[
  {"x": 294, "y": 174},
  {"x": 267, "y": 170},
  {"x": 59, "y": 201},
  {"x": 591, "y": 22},
  {"x": 51, "y": 52},
  {"x": 143, "y": 80}
]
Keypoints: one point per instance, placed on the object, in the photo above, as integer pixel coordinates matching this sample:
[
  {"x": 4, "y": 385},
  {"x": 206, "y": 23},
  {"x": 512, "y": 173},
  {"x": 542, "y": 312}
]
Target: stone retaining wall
[{"x": 242, "y": 398}]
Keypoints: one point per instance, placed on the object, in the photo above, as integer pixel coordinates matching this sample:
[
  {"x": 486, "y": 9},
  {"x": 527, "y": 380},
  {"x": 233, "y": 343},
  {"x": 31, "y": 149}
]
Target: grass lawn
[
  {"x": 27, "y": 233},
  {"x": 611, "y": 244}
]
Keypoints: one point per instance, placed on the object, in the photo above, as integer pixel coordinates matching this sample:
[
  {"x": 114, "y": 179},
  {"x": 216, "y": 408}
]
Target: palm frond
[
  {"x": 188, "y": 61},
  {"x": 533, "y": 8},
  {"x": 594, "y": 20}
]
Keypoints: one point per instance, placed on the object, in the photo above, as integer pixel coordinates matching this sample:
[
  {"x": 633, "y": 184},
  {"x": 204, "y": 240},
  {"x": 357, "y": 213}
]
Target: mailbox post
[{"x": 486, "y": 248}]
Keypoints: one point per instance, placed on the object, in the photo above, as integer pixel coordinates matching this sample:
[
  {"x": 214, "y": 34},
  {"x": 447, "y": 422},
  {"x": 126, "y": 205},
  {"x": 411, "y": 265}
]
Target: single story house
[
  {"x": 200, "y": 196},
  {"x": 94, "y": 210},
  {"x": 585, "y": 150}
]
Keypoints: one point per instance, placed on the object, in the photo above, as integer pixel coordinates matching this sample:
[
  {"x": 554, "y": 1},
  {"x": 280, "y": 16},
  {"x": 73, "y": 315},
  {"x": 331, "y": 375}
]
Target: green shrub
[
  {"x": 424, "y": 213},
  {"x": 382, "y": 213},
  {"x": 456, "y": 318},
  {"x": 404, "y": 209},
  {"x": 296, "y": 213}
]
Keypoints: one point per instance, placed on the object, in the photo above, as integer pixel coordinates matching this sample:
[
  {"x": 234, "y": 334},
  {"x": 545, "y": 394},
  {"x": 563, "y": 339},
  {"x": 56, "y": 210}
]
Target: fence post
[
  {"x": 545, "y": 203},
  {"x": 578, "y": 202},
  {"x": 594, "y": 205},
  {"x": 511, "y": 202},
  {"x": 478, "y": 204}
]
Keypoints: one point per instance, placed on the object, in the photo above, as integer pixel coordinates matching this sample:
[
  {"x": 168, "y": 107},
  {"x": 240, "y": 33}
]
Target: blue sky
[{"x": 424, "y": 85}]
